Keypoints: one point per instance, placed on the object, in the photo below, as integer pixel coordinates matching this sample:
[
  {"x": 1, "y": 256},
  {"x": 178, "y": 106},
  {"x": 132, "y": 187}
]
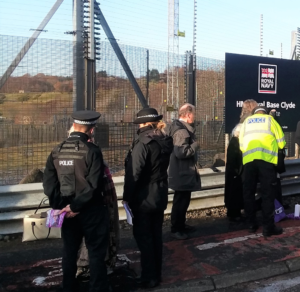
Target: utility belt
[{"x": 67, "y": 157}]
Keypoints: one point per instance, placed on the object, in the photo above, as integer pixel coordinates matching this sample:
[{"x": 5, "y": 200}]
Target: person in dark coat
[
  {"x": 183, "y": 173},
  {"x": 73, "y": 183},
  {"x": 280, "y": 167},
  {"x": 146, "y": 191},
  {"x": 233, "y": 180},
  {"x": 233, "y": 197},
  {"x": 298, "y": 134}
]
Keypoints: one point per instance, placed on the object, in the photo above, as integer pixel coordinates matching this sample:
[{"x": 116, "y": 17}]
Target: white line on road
[{"x": 238, "y": 239}]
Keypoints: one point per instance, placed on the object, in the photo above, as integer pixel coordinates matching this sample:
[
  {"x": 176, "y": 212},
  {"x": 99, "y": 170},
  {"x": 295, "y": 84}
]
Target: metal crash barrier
[{"x": 16, "y": 201}]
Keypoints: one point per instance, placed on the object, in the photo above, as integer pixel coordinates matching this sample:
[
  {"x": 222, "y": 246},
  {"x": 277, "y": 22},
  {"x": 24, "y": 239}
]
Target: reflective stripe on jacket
[{"x": 260, "y": 137}]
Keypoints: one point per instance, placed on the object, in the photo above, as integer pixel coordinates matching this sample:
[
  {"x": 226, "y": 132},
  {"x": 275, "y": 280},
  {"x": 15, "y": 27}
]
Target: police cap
[
  {"x": 259, "y": 109},
  {"x": 86, "y": 117},
  {"x": 146, "y": 115}
]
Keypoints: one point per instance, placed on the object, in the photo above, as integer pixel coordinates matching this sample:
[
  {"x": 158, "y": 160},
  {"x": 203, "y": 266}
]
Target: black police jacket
[
  {"x": 73, "y": 174},
  {"x": 233, "y": 197},
  {"x": 298, "y": 134},
  {"x": 146, "y": 178}
]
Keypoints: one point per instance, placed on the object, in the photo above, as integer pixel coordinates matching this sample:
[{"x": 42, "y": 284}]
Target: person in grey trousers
[{"x": 183, "y": 174}]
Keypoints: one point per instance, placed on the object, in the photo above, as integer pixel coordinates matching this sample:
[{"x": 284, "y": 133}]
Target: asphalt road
[{"x": 218, "y": 255}]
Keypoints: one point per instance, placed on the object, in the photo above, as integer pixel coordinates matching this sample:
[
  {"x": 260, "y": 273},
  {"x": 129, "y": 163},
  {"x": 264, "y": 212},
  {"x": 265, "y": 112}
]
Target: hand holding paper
[{"x": 55, "y": 218}]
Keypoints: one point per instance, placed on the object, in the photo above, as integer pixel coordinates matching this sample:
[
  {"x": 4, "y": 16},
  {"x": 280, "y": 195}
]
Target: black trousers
[
  {"x": 147, "y": 231},
  {"x": 181, "y": 202},
  {"x": 93, "y": 225},
  {"x": 265, "y": 173}
]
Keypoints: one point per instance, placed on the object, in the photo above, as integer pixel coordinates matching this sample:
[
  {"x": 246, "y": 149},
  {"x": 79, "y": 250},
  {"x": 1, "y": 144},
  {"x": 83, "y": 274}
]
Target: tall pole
[
  {"x": 192, "y": 62},
  {"x": 147, "y": 78},
  {"x": 89, "y": 59},
  {"x": 78, "y": 57},
  {"x": 261, "y": 35},
  {"x": 173, "y": 51},
  {"x": 297, "y": 44},
  {"x": 186, "y": 57},
  {"x": 191, "y": 82},
  {"x": 194, "y": 51}
]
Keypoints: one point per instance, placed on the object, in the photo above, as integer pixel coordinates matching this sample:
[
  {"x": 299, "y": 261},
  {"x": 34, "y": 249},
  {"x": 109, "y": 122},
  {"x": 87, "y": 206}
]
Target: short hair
[
  {"x": 186, "y": 109},
  {"x": 83, "y": 128},
  {"x": 248, "y": 106}
]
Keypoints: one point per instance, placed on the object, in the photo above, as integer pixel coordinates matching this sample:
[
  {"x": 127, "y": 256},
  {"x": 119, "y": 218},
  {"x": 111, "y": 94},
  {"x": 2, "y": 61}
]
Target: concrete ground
[
  {"x": 289, "y": 282},
  {"x": 219, "y": 256}
]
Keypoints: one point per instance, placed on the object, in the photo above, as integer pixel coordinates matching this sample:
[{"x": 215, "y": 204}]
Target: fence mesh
[
  {"x": 118, "y": 103},
  {"x": 36, "y": 102}
]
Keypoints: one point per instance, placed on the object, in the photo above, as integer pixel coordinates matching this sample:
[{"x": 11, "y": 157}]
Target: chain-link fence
[
  {"x": 118, "y": 103},
  {"x": 36, "y": 102}
]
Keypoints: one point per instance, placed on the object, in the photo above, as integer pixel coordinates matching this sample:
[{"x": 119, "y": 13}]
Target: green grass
[
  {"x": 34, "y": 155},
  {"x": 37, "y": 96}
]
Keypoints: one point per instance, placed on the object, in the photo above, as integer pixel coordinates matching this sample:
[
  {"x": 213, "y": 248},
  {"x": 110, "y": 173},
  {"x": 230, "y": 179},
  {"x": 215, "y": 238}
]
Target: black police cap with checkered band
[
  {"x": 147, "y": 115},
  {"x": 87, "y": 117}
]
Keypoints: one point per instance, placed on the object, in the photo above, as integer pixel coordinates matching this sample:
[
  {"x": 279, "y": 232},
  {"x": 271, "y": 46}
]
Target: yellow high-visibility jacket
[{"x": 260, "y": 137}]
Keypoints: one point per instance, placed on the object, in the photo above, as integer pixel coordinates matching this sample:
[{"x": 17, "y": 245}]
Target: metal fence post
[{"x": 78, "y": 60}]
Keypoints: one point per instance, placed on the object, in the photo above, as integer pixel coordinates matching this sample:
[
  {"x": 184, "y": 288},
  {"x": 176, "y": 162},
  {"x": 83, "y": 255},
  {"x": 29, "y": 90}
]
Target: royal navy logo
[{"x": 267, "y": 78}]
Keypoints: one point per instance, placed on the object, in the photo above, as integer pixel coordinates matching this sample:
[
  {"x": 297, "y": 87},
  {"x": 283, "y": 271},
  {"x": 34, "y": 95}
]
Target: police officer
[
  {"x": 146, "y": 191},
  {"x": 72, "y": 181},
  {"x": 260, "y": 138}
]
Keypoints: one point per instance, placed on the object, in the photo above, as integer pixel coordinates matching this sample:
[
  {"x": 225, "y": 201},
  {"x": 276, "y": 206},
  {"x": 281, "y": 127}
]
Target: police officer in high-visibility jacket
[{"x": 260, "y": 138}]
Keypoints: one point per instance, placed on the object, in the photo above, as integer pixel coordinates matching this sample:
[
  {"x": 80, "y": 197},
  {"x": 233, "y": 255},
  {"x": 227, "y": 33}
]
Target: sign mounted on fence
[{"x": 273, "y": 83}]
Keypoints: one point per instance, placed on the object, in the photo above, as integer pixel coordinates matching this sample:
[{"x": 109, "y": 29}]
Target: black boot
[
  {"x": 252, "y": 228},
  {"x": 274, "y": 231}
]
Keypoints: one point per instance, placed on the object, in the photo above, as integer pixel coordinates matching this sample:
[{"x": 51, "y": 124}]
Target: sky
[{"x": 222, "y": 25}]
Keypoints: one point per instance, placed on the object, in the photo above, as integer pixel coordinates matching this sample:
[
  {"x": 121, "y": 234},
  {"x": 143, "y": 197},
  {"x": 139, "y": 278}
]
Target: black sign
[{"x": 273, "y": 83}]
